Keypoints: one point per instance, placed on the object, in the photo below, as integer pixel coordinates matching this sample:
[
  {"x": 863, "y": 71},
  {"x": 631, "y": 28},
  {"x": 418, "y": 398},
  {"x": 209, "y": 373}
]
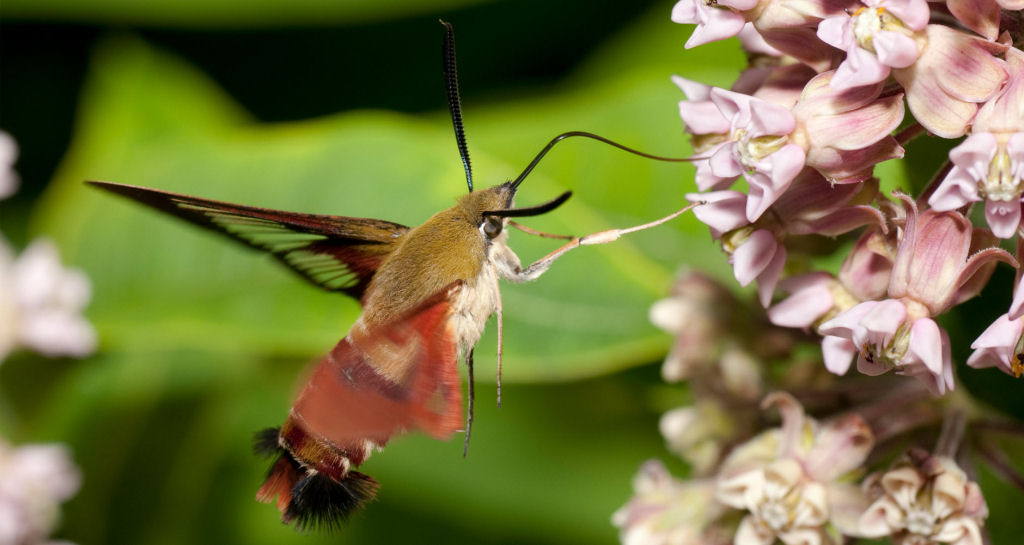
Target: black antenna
[
  {"x": 529, "y": 168},
  {"x": 451, "y": 82}
]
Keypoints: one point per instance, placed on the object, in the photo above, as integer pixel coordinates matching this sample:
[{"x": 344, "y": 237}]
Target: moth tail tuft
[
  {"x": 322, "y": 503},
  {"x": 265, "y": 442},
  {"x": 310, "y": 499}
]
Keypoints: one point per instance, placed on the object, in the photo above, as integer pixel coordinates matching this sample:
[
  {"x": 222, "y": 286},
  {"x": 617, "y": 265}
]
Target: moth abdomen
[{"x": 312, "y": 485}]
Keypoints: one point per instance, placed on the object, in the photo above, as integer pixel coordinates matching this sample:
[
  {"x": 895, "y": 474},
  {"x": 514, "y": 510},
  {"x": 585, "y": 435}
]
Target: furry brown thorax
[{"x": 449, "y": 247}]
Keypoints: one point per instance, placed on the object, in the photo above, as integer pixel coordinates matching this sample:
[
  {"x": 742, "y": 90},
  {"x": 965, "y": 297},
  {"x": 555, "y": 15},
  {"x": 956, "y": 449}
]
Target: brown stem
[
  {"x": 952, "y": 434},
  {"x": 1008, "y": 428},
  {"x": 934, "y": 183},
  {"x": 909, "y": 133},
  {"x": 997, "y": 460}
]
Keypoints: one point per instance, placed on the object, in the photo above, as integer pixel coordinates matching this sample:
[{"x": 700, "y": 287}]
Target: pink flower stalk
[
  {"x": 924, "y": 499},
  {"x": 789, "y": 479},
  {"x": 989, "y": 164},
  {"x": 878, "y": 36},
  {"x": 940, "y": 262}
]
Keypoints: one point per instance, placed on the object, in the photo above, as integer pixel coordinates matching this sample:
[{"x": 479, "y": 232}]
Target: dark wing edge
[{"x": 336, "y": 253}]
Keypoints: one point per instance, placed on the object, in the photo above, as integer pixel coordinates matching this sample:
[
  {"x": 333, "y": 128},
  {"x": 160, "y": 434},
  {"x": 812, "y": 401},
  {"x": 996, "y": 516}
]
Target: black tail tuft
[
  {"x": 321, "y": 503},
  {"x": 264, "y": 442}
]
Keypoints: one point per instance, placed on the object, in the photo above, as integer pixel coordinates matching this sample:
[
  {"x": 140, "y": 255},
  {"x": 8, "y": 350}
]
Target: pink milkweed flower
[
  {"x": 924, "y": 499},
  {"x": 715, "y": 21},
  {"x": 878, "y": 36},
  {"x": 667, "y": 511},
  {"x": 955, "y": 74},
  {"x": 981, "y": 16},
  {"x": 846, "y": 131},
  {"x": 811, "y": 206},
  {"x": 788, "y": 479},
  {"x": 816, "y": 298},
  {"x": 758, "y": 148},
  {"x": 941, "y": 261},
  {"x": 989, "y": 164},
  {"x": 985, "y": 168},
  {"x": 1002, "y": 344}
]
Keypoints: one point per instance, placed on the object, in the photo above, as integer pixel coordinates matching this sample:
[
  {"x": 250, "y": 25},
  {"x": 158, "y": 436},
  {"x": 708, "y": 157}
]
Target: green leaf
[
  {"x": 225, "y": 13},
  {"x": 159, "y": 284}
]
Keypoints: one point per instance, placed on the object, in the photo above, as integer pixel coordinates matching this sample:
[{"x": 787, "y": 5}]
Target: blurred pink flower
[
  {"x": 41, "y": 304},
  {"x": 924, "y": 499},
  {"x": 34, "y": 480},
  {"x": 666, "y": 511},
  {"x": 8, "y": 155},
  {"x": 788, "y": 480}
]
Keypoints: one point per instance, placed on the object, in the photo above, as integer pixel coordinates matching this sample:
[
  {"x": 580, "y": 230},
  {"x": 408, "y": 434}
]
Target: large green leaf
[{"x": 148, "y": 119}]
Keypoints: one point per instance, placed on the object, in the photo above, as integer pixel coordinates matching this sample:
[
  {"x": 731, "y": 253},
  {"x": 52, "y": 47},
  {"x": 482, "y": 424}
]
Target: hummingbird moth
[{"x": 426, "y": 293}]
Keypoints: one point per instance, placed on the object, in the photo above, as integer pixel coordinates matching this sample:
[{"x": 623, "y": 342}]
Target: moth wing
[
  {"x": 337, "y": 253},
  {"x": 399, "y": 376}
]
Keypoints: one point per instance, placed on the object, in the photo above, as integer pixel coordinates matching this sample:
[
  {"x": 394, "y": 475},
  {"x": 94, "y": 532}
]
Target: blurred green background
[{"x": 338, "y": 107}]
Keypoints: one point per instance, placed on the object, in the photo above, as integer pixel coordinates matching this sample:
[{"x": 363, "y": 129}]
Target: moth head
[{"x": 491, "y": 208}]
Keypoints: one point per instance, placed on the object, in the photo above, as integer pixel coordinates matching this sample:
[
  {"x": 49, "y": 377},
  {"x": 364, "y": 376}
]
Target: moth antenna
[
  {"x": 451, "y": 82},
  {"x": 592, "y": 136},
  {"x": 469, "y": 416}
]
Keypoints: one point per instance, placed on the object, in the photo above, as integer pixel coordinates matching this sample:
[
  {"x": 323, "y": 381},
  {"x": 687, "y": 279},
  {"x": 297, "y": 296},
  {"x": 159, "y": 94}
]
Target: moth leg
[
  {"x": 531, "y": 231},
  {"x": 469, "y": 415},
  {"x": 538, "y": 267},
  {"x": 497, "y": 312}
]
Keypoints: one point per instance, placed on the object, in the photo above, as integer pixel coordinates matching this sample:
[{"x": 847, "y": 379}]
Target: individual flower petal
[
  {"x": 954, "y": 75},
  {"x": 838, "y": 353},
  {"x": 723, "y": 211},
  {"x": 810, "y": 299},
  {"x": 713, "y": 24},
  {"x": 1001, "y": 345},
  {"x": 752, "y": 257},
  {"x": 926, "y": 344}
]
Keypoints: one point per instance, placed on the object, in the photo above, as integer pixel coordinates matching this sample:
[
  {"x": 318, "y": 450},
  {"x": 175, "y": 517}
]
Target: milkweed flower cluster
[
  {"x": 805, "y": 130},
  {"x": 834, "y": 88},
  {"x": 40, "y": 301}
]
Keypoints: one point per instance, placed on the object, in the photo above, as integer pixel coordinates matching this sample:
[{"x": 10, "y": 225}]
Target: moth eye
[{"x": 491, "y": 227}]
